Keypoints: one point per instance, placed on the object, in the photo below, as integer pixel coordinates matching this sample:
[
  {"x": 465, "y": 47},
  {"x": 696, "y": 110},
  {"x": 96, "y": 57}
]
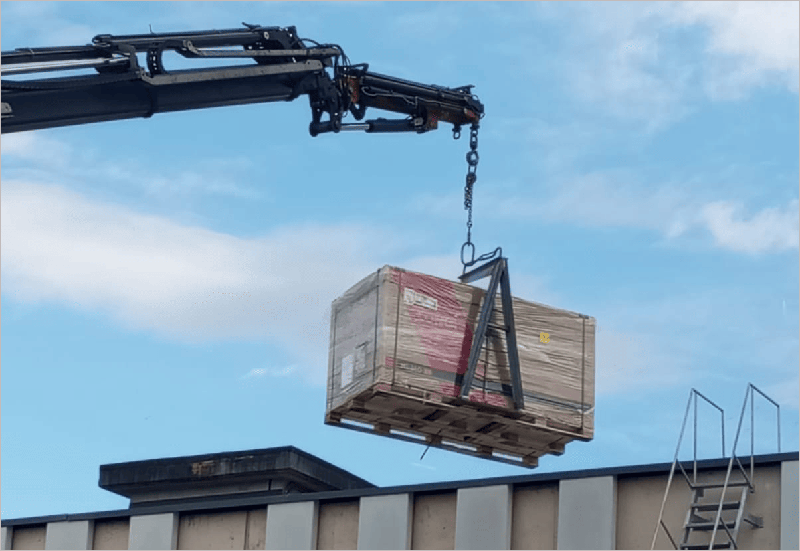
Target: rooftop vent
[{"x": 270, "y": 471}]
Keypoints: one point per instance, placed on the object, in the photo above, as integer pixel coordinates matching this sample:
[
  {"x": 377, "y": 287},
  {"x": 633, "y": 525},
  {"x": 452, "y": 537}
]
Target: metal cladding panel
[
  {"x": 338, "y": 525},
  {"x": 292, "y": 525},
  {"x": 207, "y": 530},
  {"x": 483, "y": 518},
  {"x": 789, "y": 505},
  {"x": 69, "y": 535},
  {"x": 111, "y": 534},
  {"x": 587, "y": 513},
  {"x": 535, "y": 516},
  {"x": 154, "y": 531},
  {"x": 28, "y": 537},
  {"x": 434, "y": 521},
  {"x": 385, "y": 522}
]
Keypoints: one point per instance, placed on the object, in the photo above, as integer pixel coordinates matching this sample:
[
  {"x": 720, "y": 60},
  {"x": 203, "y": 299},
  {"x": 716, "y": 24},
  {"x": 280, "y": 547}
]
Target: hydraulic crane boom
[{"x": 282, "y": 67}]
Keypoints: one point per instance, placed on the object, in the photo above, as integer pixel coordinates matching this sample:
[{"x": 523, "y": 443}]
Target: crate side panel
[{"x": 351, "y": 367}]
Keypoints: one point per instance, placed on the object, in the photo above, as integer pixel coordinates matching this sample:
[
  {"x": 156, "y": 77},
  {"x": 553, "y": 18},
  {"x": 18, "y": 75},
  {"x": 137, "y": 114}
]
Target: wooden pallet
[{"x": 444, "y": 422}]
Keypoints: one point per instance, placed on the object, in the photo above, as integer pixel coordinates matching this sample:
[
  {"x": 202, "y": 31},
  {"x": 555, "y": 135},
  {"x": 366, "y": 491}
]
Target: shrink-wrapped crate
[{"x": 399, "y": 349}]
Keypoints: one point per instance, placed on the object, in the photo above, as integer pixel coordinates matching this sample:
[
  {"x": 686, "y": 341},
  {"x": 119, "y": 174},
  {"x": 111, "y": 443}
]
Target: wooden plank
[
  {"x": 437, "y": 423},
  {"x": 526, "y": 456}
]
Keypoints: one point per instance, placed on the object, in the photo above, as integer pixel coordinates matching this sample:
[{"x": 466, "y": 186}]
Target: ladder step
[
  {"x": 715, "y": 546},
  {"x": 732, "y": 484},
  {"x": 708, "y": 525},
  {"x": 715, "y": 506},
  {"x": 503, "y": 328}
]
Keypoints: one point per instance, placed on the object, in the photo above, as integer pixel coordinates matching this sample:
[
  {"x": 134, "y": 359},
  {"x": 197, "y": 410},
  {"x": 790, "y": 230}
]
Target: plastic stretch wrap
[{"x": 414, "y": 332}]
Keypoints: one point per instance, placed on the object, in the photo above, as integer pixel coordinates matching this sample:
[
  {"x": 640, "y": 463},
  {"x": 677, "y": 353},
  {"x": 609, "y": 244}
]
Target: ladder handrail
[
  {"x": 659, "y": 522},
  {"x": 722, "y": 420},
  {"x": 748, "y": 395},
  {"x": 693, "y": 394}
]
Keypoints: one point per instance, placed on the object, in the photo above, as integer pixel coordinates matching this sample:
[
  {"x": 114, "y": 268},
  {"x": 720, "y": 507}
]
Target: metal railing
[
  {"x": 693, "y": 395},
  {"x": 748, "y": 397}
]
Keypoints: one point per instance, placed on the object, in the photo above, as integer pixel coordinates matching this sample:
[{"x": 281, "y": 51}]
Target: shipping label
[
  {"x": 414, "y": 298},
  {"x": 415, "y": 368},
  {"x": 347, "y": 370}
]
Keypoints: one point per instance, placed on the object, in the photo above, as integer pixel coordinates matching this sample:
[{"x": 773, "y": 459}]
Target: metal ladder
[{"x": 730, "y": 515}]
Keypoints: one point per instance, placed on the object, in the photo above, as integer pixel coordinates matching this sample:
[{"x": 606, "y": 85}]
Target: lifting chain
[{"x": 472, "y": 167}]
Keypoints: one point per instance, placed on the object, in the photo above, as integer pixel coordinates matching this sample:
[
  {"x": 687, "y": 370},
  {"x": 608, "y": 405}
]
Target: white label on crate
[
  {"x": 347, "y": 370},
  {"x": 412, "y": 297},
  {"x": 360, "y": 361}
]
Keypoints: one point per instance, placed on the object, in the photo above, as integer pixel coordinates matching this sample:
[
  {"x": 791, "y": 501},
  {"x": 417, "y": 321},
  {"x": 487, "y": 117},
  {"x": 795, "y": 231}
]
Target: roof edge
[{"x": 244, "y": 502}]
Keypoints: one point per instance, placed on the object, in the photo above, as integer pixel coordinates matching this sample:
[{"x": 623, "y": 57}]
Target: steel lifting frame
[{"x": 497, "y": 269}]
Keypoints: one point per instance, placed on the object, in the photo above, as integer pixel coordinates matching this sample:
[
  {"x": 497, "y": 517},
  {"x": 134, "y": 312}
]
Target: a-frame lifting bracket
[{"x": 497, "y": 270}]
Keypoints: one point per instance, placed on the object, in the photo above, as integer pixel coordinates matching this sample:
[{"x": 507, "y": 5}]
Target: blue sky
[{"x": 166, "y": 283}]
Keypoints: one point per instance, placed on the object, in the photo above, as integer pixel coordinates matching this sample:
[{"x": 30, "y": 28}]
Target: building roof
[
  {"x": 268, "y": 471},
  {"x": 235, "y": 502}
]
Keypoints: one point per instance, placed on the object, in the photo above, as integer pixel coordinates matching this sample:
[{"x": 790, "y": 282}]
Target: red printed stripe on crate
[
  {"x": 489, "y": 398},
  {"x": 440, "y": 319}
]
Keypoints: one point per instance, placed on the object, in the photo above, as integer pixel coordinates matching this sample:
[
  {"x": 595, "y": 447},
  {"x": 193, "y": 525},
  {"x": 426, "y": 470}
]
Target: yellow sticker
[{"x": 544, "y": 337}]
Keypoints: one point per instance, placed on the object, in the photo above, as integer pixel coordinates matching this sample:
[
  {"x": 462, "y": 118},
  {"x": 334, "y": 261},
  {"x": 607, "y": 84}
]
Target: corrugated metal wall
[{"x": 613, "y": 512}]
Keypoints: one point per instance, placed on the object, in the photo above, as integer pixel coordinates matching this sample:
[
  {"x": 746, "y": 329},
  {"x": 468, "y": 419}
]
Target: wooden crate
[{"x": 398, "y": 352}]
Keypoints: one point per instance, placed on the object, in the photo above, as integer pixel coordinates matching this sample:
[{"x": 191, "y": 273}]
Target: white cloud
[
  {"x": 612, "y": 199},
  {"x": 260, "y": 372},
  {"x": 750, "y": 43},
  {"x": 771, "y": 229},
  {"x": 633, "y": 60},
  {"x": 33, "y": 146},
  {"x": 185, "y": 283},
  {"x": 615, "y": 58},
  {"x": 191, "y": 284},
  {"x": 627, "y": 362},
  {"x": 615, "y": 199},
  {"x": 707, "y": 339},
  {"x": 35, "y": 156},
  {"x": 50, "y": 28}
]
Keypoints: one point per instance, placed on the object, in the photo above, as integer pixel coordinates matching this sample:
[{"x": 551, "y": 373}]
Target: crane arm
[{"x": 278, "y": 66}]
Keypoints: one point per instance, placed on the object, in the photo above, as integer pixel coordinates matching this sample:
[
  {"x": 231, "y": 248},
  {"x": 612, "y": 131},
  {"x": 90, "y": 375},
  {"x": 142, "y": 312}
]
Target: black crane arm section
[{"x": 279, "y": 67}]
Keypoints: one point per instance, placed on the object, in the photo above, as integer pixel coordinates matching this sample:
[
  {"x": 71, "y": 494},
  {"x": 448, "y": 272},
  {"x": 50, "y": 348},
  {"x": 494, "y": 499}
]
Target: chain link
[{"x": 472, "y": 167}]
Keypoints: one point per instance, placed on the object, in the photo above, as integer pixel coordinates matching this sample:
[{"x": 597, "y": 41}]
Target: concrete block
[
  {"x": 587, "y": 513},
  {"x": 789, "y": 503},
  {"x": 292, "y": 525},
  {"x": 483, "y": 518},
  {"x": 6, "y": 533},
  {"x": 69, "y": 535},
  {"x": 384, "y": 522},
  {"x": 154, "y": 532}
]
